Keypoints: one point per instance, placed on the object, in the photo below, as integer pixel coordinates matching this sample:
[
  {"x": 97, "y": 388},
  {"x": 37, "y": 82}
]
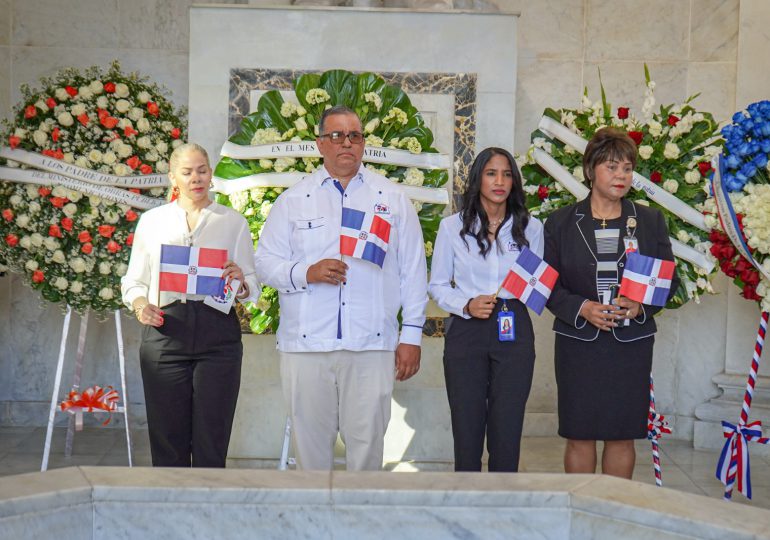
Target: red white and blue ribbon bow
[
  {"x": 92, "y": 399},
  {"x": 733, "y": 465},
  {"x": 657, "y": 426}
]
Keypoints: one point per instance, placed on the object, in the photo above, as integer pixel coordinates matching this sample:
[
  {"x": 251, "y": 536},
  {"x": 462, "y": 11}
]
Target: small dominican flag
[
  {"x": 192, "y": 270},
  {"x": 531, "y": 280},
  {"x": 647, "y": 280},
  {"x": 364, "y": 236}
]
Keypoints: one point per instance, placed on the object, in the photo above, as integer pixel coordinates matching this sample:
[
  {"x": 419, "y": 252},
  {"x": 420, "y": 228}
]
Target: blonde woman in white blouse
[
  {"x": 487, "y": 380},
  {"x": 190, "y": 353}
]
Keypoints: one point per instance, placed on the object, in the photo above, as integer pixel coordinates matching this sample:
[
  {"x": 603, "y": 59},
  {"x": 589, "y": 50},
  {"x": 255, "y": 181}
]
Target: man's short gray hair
[{"x": 331, "y": 111}]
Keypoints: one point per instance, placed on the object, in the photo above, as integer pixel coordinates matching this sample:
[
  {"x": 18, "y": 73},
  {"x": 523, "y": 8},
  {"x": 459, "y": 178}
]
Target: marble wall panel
[
  {"x": 631, "y": 30},
  {"x": 75, "y": 521},
  {"x": 5, "y": 82},
  {"x": 753, "y": 61},
  {"x": 451, "y": 522},
  {"x": 716, "y": 83},
  {"x": 541, "y": 84},
  {"x": 714, "y": 30},
  {"x": 158, "y": 24},
  {"x": 420, "y": 427},
  {"x": 549, "y": 29},
  {"x": 499, "y": 110},
  {"x": 136, "y": 520},
  {"x": 76, "y": 23},
  {"x": 6, "y": 18}
]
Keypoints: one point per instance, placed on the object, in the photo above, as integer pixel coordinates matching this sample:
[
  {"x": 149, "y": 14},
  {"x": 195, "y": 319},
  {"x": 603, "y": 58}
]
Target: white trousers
[{"x": 340, "y": 391}]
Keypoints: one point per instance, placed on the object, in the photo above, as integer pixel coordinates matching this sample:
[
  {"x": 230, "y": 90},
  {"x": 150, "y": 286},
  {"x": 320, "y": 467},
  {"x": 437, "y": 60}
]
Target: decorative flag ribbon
[
  {"x": 647, "y": 280},
  {"x": 93, "y": 399},
  {"x": 531, "y": 280},
  {"x": 226, "y": 186},
  {"x": 734, "y": 460},
  {"x": 364, "y": 236},
  {"x": 729, "y": 219},
  {"x": 656, "y": 427},
  {"x": 733, "y": 464},
  {"x": 192, "y": 270},
  {"x": 308, "y": 149}
]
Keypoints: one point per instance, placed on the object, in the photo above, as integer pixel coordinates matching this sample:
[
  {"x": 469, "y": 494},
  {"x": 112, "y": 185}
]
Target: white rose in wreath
[
  {"x": 106, "y": 294},
  {"x": 109, "y": 158},
  {"x": 40, "y": 137},
  {"x": 96, "y": 87},
  {"x": 61, "y": 283},
  {"x": 121, "y": 90},
  {"x": 22, "y": 221},
  {"x": 31, "y": 265},
  {"x": 135, "y": 114},
  {"x": 121, "y": 169},
  {"x": 70, "y": 209},
  {"x": 58, "y": 257},
  {"x": 105, "y": 268},
  {"x": 51, "y": 243},
  {"x": 25, "y": 243},
  {"x": 61, "y": 94},
  {"x": 671, "y": 151},
  {"x": 78, "y": 109},
  {"x": 143, "y": 125},
  {"x": 65, "y": 119},
  {"x": 144, "y": 142},
  {"x": 144, "y": 96},
  {"x": 645, "y": 151},
  {"x": 122, "y": 106},
  {"x": 76, "y": 287},
  {"x": 78, "y": 265},
  {"x": 102, "y": 102},
  {"x": 94, "y": 156},
  {"x": 671, "y": 185}
]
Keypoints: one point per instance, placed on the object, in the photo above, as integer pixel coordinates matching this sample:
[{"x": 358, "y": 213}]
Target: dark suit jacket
[{"x": 570, "y": 247}]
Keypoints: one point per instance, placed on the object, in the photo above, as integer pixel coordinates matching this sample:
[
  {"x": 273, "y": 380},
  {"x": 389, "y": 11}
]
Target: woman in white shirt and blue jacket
[{"x": 488, "y": 379}]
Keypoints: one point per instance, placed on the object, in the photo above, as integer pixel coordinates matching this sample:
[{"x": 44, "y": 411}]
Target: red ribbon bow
[{"x": 93, "y": 399}]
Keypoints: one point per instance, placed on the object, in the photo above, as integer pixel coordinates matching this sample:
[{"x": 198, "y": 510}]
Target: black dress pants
[
  {"x": 191, "y": 371},
  {"x": 488, "y": 383}
]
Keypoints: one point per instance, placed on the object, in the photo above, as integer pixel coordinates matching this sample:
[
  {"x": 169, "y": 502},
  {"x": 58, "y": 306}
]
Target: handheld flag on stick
[
  {"x": 531, "y": 280},
  {"x": 647, "y": 280},
  {"x": 192, "y": 270},
  {"x": 364, "y": 236}
]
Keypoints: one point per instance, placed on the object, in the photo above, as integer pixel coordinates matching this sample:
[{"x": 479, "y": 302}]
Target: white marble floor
[{"x": 684, "y": 468}]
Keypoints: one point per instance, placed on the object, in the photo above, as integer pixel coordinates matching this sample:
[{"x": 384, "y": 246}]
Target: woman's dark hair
[
  {"x": 607, "y": 144},
  {"x": 473, "y": 209}
]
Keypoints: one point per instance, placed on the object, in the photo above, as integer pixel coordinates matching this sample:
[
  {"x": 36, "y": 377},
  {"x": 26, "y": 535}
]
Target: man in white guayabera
[{"x": 338, "y": 338}]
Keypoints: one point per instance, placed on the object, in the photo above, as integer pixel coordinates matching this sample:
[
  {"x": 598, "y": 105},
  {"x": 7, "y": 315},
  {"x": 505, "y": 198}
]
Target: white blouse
[
  {"x": 218, "y": 227},
  {"x": 471, "y": 273}
]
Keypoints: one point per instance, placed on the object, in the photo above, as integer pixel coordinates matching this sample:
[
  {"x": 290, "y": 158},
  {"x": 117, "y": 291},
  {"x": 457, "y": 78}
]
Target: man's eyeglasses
[{"x": 338, "y": 137}]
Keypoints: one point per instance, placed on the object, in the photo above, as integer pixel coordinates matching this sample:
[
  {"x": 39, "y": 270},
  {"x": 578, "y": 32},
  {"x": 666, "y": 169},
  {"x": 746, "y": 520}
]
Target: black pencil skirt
[
  {"x": 603, "y": 387},
  {"x": 191, "y": 372}
]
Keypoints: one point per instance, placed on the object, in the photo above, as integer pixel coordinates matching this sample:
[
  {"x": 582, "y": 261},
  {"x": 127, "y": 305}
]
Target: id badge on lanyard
[{"x": 506, "y": 331}]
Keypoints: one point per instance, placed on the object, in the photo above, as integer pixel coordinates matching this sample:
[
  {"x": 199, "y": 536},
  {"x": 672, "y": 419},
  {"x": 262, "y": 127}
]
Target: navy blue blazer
[{"x": 570, "y": 247}]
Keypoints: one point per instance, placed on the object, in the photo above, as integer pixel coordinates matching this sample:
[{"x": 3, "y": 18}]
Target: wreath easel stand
[{"x": 55, "y": 400}]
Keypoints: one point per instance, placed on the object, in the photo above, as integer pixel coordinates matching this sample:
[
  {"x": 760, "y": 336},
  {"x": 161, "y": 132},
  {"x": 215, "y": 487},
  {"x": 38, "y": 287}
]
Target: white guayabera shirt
[
  {"x": 303, "y": 227},
  {"x": 471, "y": 273}
]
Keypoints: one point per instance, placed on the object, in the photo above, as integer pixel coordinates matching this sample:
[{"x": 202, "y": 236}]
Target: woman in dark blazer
[{"x": 603, "y": 350}]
